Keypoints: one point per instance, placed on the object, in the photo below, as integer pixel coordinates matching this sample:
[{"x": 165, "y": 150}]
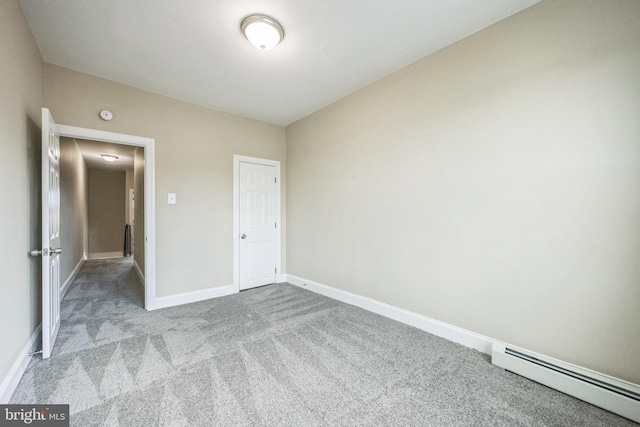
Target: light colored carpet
[{"x": 272, "y": 356}]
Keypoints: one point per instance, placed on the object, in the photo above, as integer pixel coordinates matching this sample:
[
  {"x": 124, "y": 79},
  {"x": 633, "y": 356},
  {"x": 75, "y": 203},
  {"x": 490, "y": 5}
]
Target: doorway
[
  {"x": 257, "y": 241},
  {"x": 147, "y": 157},
  {"x": 97, "y": 179}
]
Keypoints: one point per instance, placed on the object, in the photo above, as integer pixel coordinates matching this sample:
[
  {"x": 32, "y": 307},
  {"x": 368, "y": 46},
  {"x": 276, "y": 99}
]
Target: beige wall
[
  {"x": 493, "y": 185},
  {"x": 194, "y": 158},
  {"x": 21, "y": 86},
  {"x": 106, "y": 211},
  {"x": 73, "y": 207},
  {"x": 138, "y": 229}
]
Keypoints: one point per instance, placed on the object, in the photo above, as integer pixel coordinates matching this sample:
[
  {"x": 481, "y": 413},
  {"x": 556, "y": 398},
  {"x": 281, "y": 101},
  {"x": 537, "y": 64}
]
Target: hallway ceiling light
[
  {"x": 262, "y": 31},
  {"x": 109, "y": 157}
]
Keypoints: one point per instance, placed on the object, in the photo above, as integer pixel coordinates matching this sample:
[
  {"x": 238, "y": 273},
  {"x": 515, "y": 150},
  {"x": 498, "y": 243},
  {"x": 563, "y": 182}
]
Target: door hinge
[
  {"x": 275, "y": 225},
  {"x": 276, "y": 270},
  {"x": 275, "y": 180}
]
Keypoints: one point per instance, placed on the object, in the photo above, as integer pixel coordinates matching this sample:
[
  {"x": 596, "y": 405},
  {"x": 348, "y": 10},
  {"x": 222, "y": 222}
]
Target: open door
[{"x": 50, "y": 250}]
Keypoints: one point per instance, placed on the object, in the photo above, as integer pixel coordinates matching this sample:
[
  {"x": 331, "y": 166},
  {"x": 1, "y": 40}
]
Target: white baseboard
[
  {"x": 71, "y": 278},
  {"x": 435, "y": 327},
  {"x": 195, "y": 296},
  {"x": 11, "y": 380},
  {"x": 140, "y": 274},
  {"x": 281, "y": 278},
  {"x": 105, "y": 255}
]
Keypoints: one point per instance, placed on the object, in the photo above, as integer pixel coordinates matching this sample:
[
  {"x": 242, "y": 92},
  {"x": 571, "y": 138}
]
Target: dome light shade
[
  {"x": 109, "y": 157},
  {"x": 262, "y": 31}
]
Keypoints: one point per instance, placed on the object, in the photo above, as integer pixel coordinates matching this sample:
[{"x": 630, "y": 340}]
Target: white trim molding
[
  {"x": 237, "y": 159},
  {"x": 190, "y": 297},
  {"x": 138, "y": 270},
  {"x": 106, "y": 255},
  {"x": 11, "y": 380},
  {"x": 65, "y": 286},
  {"x": 435, "y": 327}
]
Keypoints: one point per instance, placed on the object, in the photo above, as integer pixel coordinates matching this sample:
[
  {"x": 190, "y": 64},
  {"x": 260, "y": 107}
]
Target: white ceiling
[
  {"x": 91, "y": 151},
  {"x": 193, "y": 50}
]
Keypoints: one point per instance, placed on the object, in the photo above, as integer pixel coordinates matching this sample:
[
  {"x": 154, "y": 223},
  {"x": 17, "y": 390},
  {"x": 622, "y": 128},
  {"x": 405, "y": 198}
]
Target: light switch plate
[{"x": 171, "y": 198}]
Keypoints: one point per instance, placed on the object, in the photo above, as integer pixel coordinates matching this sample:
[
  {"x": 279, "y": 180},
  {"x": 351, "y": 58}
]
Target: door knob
[
  {"x": 244, "y": 236},
  {"x": 45, "y": 252}
]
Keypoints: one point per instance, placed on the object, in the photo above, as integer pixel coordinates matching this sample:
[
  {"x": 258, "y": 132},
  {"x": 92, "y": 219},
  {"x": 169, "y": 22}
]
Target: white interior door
[
  {"x": 50, "y": 233},
  {"x": 258, "y": 226}
]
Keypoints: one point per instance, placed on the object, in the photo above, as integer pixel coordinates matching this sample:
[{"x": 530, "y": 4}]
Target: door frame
[
  {"x": 149, "y": 195},
  {"x": 237, "y": 159}
]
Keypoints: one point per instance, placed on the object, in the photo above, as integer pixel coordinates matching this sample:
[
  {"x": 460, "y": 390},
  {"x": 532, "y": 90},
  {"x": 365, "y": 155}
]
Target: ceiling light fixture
[
  {"x": 262, "y": 31},
  {"x": 109, "y": 157}
]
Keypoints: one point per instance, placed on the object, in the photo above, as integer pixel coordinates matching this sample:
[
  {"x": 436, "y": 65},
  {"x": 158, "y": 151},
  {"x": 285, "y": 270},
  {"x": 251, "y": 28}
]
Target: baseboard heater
[{"x": 614, "y": 395}]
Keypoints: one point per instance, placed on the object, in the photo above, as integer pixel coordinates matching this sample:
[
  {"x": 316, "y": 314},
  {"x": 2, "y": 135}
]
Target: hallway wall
[
  {"x": 73, "y": 207},
  {"x": 138, "y": 229},
  {"x": 106, "y": 209}
]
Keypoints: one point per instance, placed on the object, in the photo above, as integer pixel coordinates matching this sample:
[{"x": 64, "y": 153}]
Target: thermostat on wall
[{"x": 106, "y": 115}]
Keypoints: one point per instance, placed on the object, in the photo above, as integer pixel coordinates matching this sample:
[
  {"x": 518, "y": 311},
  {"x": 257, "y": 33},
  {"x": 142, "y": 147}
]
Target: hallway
[
  {"x": 104, "y": 296},
  {"x": 100, "y": 286}
]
